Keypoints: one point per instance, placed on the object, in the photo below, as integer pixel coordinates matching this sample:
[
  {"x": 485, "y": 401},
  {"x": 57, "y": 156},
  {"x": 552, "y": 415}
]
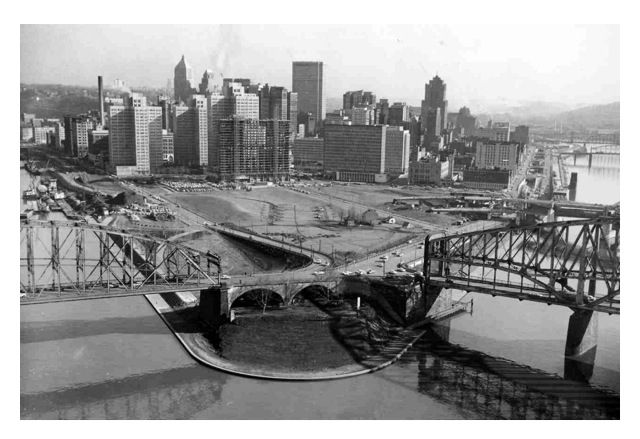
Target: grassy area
[{"x": 306, "y": 337}]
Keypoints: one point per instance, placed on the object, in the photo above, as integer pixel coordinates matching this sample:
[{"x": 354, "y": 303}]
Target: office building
[
  {"x": 244, "y": 83},
  {"x": 98, "y": 153},
  {"x": 308, "y": 154},
  {"x": 433, "y": 123},
  {"x": 253, "y": 149},
  {"x": 308, "y": 120},
  {"x": 382, "y": 112},
  {"x": 502, "y": 155},
  {"x": 501, "y": 131},
  {"x": 59, "y": 135},
  {"x": 355, "y": 152},
  {"x": 308, "y": 82},
  {"x": 397, "y": 150},
  {"x": 398, "y": 113},
  {"x": 183, "y": 84},
  {"x": 292, "y": 111},
  {"x": 357, "y": 98},
  {"x": 167, "y": 147},
  {"x": 368, "y": 98},
  {"x": 135, "y": 137},
  {"x": 365, "y": 153},
  {"x": 435, "y": 98},
  {"x": 351, "y": 99},
  {"x": 278, "y": 103},
  {"x": 40, "y": 135},
  {"x": 362, "y": 115},
  {"x": 521, "y": 134},
  {"x": 77, "y": 134},
  {"x": 273, "y": 101},
  {"x": 246, "y": 105},
  {"x": 490, "y": 179},
  {"x": 208, "y": 83},
  {"x": 191, "y": 133},
  {"x": 219, "y": 107},
  {"x": 165, "y": 103},
  {"x": 339, "y": 117},
  {"x": 466, "y": 122},
  {"x": 428, "y": 171}
]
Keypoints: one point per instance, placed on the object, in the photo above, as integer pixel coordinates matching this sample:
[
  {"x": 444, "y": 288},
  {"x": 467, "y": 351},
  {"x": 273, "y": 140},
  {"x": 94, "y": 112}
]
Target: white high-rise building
[
  {"x": 135, "y": 136},
  {"x": 490, "y": 155},
  {"x": 247, "y": 106}
]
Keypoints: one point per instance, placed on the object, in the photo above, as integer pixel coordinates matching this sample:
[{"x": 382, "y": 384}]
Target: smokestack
[{"x": 101, "y": 98}]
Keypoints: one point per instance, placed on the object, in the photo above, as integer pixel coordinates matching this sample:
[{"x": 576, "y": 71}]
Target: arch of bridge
[
  {"x": 301, "y": 287},
  {"x": 235, "y": 293}
]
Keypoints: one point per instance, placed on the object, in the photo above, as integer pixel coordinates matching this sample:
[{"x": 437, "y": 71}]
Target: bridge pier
[
  {"x": 581, "y": 345},
  {"x": 214, "y": 306}
]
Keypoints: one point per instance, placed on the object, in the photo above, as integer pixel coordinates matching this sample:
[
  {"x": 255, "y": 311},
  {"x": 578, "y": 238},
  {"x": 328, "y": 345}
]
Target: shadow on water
[
  {"x": 482, "y": 386},
  {"x": 171, "y": 394},
  {"x": 34, "y": 332},
  {"x": 362, "y": 333}
]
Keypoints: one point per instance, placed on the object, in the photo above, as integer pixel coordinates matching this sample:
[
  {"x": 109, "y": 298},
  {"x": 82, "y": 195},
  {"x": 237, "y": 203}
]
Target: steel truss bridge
[
  {"x": 70, "y": 261},
  {"x": 570, "y": 263}
]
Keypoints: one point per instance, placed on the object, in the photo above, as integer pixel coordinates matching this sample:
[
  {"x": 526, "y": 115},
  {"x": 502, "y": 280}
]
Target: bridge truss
[
  {"x": 570, "y": 263},
  {"x": 71, "y": 261}
]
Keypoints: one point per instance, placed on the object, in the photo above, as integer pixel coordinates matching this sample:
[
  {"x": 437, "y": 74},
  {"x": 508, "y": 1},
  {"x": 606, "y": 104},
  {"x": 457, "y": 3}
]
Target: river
[
  {"x": 115, "y": 359},
  {"x": 533, "y": 333}
]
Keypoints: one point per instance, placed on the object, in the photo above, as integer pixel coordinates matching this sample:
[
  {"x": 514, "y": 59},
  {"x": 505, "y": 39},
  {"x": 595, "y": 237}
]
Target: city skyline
[{"x": 496, "y": 70}]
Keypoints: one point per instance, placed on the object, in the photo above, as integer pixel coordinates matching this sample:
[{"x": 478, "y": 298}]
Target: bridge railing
[
  {"x": 572, "y": 263},
  {"x": 80, "y": 259}
]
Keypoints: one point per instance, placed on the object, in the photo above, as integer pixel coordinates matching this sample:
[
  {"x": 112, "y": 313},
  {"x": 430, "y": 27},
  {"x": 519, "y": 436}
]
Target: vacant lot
[{"x": 295, "y": 217}]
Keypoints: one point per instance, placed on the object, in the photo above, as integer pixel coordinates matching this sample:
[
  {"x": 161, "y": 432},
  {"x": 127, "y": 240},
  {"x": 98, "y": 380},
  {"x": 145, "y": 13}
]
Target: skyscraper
[
  {"x": 466, "y": 121},
  {"x": 164, "y": 102},
  {"x": 77, "y": 134},
  {"x": 209, "y": 84},
  {"x": 398, "y": 113},
  {"x": 135, "y": 136},
  {"x": 292, "y": 111},
  {"x": 521, "y": 134},
  {"x": 250, "y": 148},
  {"x": 219, "y": 107},
  {"x": 308, "y": 82},
  {"x": 191, "y": 133},
  {"x": 435, "y": 96},
  {"x": 183, "y": 83},
  {"x": 358, "y": 98}
]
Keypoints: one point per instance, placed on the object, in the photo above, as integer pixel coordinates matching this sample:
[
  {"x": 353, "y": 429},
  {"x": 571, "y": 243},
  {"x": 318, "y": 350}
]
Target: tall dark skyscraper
[
  {"x": 435, "y": 97},
  {"x": 183, "y": 84},
  {"x": 466, "y": 121},
  {"x": 308, "y": 82}
]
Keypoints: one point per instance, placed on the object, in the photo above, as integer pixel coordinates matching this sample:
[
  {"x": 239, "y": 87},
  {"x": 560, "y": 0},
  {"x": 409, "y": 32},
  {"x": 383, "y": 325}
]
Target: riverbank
[{"x": 311, "y": 346}]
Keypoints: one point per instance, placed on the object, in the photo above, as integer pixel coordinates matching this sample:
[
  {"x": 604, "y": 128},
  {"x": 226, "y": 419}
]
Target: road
[{"x": 322, "y": 263}]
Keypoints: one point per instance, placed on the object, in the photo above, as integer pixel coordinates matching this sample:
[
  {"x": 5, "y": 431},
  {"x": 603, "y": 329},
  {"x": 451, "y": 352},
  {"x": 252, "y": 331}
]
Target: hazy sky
[{"x": 480, "y": 64}]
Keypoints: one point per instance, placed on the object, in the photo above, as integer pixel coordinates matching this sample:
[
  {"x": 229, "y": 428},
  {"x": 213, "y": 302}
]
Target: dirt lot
[{"x": 304, "y": 218}]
